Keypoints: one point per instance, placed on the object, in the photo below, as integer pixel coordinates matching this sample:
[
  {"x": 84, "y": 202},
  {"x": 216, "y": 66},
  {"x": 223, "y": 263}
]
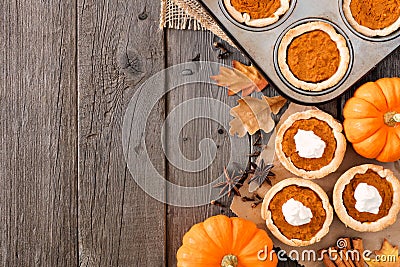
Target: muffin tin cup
[
  {"x": 260, "y": 44},
  {"x": 282, "y": 19},
  {"x": 367, "y": 38},
  {"x": 305, "y": 92}
]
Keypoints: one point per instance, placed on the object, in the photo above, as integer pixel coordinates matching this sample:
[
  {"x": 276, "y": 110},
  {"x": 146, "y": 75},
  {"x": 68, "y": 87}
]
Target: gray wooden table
[{"x": 68, "y": 70}]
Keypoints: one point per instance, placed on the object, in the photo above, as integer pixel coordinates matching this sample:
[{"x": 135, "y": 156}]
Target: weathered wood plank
[
  {"x": 183, "y": 46},
  {"x": 119, "y": 47},
  {"x": 38, "y": 126}
]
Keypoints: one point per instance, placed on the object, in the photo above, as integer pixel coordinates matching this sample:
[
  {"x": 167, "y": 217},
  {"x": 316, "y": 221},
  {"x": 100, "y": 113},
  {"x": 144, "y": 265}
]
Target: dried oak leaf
[
  {"x": 240, "y": 78},
  {"x": 251, "y": 115},
  {"x": 388, "y": 255},
  {"x": 276, "y": 103}
]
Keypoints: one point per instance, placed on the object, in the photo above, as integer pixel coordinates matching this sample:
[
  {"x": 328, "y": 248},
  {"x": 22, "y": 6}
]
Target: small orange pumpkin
[
  {"x": 372, "y": 120},
  {"x": 220, "y": 241}
]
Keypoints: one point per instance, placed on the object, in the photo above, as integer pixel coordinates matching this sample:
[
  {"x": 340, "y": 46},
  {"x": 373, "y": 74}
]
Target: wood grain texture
[
  {"x": 183, "y": 46},
  {"x": 38, "y": 127},
  {"x": 119, "y": 46}
]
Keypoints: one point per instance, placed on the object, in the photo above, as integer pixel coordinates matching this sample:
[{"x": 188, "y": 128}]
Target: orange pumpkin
[
  {"x": 372, "y": 120},
  {"x": 220, "y": 241}
]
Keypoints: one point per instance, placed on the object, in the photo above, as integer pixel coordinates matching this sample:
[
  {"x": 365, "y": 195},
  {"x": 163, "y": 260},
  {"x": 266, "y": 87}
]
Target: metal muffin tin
[{"x": 260, "y": 44}]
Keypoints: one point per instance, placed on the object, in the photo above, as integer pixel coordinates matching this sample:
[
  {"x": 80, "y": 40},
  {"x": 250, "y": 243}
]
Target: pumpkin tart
[
  {"x": 313, "y": 56},
  {"x": 310, "y": 144},
  {"x": 297, "y": 212},
  {"x": 256, "y": 13},
  {"x": 373, "y": 17},
  {"x": 367, "y": 198}
]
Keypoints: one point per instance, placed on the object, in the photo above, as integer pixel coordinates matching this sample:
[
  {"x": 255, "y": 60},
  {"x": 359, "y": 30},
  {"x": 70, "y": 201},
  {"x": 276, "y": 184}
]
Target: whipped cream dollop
[
  {"x": 296, "y": 213},
  {"x": 367, "y": 198},
  {"x": 308, "y": 144}
]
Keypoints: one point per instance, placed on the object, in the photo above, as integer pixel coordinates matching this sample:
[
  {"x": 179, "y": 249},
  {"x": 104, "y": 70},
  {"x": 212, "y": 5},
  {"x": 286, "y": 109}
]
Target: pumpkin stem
[
  {"x": 229, "y": 261},
  {"x": 391, "y": 118}
]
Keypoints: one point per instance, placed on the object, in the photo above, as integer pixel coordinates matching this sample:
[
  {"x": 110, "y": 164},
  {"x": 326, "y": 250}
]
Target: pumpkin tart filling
[
  {"x": 373, "y": 17},
  {"x": 321, "y": 129},
  {"x": 297, "y": 212},
  {"x": 373, "y": 179},
  {"x": 313, "y": 56},
  {"x": 309, "y": 199},
  {"x": 310, "y": 144},
  {"x": 366, "y": 198},
  {"x": 257, "y": 9},
  {"x": 375, "y": 14},
  {"x": 256, "y": 13}
]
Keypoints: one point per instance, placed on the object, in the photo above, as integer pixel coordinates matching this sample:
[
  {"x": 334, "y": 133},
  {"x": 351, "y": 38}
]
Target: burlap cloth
[{"x": 188, "y": 14}]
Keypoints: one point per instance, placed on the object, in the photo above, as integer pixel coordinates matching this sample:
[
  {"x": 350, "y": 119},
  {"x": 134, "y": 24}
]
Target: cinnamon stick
[
  {"x": 348, "y": 242},
  {"x": 345, "y": 247},
  {"x": 359, "y": 245},
  {"x": 338, "y": 261},
  {"x": 326, "y": 260},
  {"x": 347, "y": 260}
]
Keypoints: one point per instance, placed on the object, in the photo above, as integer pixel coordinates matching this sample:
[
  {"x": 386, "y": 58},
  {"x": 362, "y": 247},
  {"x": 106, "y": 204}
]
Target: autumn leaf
[
  {"x": 252, "y": 73},
  {"x": 240, "y": 78},
  {"x": 387, "y": 256},
  {"x": 276, "y": 103},
  {"x": 251, "y": 115}
]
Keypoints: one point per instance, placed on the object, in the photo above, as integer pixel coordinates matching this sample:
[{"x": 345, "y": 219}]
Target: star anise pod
[
  {"x": 262, "y": 173},
  {"x": 229, "y": 184}
]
